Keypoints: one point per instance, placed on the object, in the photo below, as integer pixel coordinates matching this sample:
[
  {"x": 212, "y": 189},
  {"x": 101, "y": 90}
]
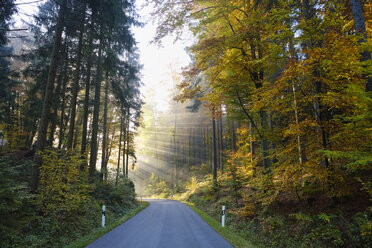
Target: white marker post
[
  {"x": 103, "y": 215},
  {"x": 223, "y": 216}
]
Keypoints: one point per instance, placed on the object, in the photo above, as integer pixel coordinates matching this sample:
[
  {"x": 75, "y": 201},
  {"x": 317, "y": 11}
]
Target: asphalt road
[{"x": 163, "y": 224}]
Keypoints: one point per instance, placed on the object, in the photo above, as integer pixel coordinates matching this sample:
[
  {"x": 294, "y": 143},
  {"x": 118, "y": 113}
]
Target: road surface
[{"x": 163, "y": 224}]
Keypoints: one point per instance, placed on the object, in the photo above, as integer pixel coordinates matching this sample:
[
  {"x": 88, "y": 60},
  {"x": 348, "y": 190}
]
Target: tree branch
[
  {"x": 247, "y": 114},
  {"x": 12, "y": 30},
  {"x": 29, "y": 2}
]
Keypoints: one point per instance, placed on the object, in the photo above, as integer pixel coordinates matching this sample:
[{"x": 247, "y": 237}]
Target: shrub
[
  {"x": 62, "y": 187},
  {"x": 118, "y": 198}
]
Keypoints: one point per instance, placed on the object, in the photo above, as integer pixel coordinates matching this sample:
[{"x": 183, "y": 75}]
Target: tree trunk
[
  {"x": 258, "y": 78},
  {"x": 50, "y": 82},
  {"x": 264, "y": 122},
  {"x": 252, "y": 143},
  {"x": 118, "y": 166},
  {"x": 320, "y": 112},
  {"x": 76, "y": 80},
  {"x": 54, "y": 115},
  {"x": 155, "y": 141},
  {"x": 128, "y": 139},
  {"x": 360, "y": 26},
  {"x": 300, "y": 147},
  {"x": 220, "y": 143},
  {"x": 43, "y": 128},
  {"x": 104, "y": 131},
  {"x": 77, "y": 130},
  {"x": 214, "y": 151},
  {"x": 109, "y": 145},
  {"x": 124, "y": 144},
  {"x": 189, "y": 150},
  {"x": 97, "y": 96},
  {"x": 175, "y": 165},
  {"x": 63, "y": 103},
  {"x": 200, "y": 143},
  {"x": 358, "y": 16},
  {"x": 87, "y": 91},
  {"x": 265, "y": 142},
  {"x": 233, "y": 134}
]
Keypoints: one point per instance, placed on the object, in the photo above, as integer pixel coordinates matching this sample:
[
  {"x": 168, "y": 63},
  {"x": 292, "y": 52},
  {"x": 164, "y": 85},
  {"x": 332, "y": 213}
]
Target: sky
[
  {"x": 156, "y": 75},
  {"x": 156, "y": 60}
]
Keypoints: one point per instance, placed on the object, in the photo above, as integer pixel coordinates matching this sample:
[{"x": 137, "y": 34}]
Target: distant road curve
[{"x": 163, "y": 224}]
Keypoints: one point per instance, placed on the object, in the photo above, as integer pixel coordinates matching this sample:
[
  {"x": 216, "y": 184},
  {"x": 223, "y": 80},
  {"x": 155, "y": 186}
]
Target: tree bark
[
  {"x": 300, "y": 146},
  {"x": 252, "y": 144},
  {"x": 104, "y": 132},
  {"x": 265, "y": 142},
  {"x": 124, "y": 144},
  {"x": 97, "y": 96},
  {"x": 233, "y": 134},
  {"x": 77, "y": 130},
  {"x": 109, "y": 145},
  {"x": 128, "y": 140},
  {"x": 87, "y": 91},
  {"x": 358, "y": 16},
  {"x": 76, "y": 80},
  {"x": 175, "y": 165},
  {"x": 214, "y": 150},
  {"x": 189, "y": 150},
  {"x": 258, "y": 78},
  {"x": 118, "y": 165},
  {"x": 63, "y": 103},
  {"x": 320, "y": 111},
  {"x": 40, "y": 144},
  {"x": 156, "y": 143},
  {"x": 54, "y": 115},
  {"x": 360, "y": 26},
  {"x": 220, "y": 142},
  {"x": 51, "y": 78}
]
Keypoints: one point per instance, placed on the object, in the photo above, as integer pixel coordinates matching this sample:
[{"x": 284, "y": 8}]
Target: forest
[
  {"x": 69, "y": 100},
  {"x": 272, "y": 119}
]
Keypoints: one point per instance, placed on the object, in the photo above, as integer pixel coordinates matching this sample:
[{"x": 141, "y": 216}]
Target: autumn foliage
[{"x": 295, "y": 75}]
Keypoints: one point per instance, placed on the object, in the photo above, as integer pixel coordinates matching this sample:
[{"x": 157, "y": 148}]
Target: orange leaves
[
  {"x": 293, "y": 72},
  {"x": 186, "y": 92}
]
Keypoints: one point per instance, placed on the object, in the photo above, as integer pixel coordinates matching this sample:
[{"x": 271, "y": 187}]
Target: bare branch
[
  {"x": 13, "y": 30},
  {"x": 247, "y": 114},
  {"x": 29, "y": 2}
]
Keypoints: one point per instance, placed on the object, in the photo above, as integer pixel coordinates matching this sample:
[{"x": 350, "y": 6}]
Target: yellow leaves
[
  {"x": 248, "y": 210},
  {"x": 367, "y": 6},
  {"x": 192, "y": 185},
  {"x": 213, "y": 102},
  {"x": 61, "y": 185},
  {"x": 239, "y": 165},
  {"x": 348, "y": 26},
  {"x": 156, "y": 186}
]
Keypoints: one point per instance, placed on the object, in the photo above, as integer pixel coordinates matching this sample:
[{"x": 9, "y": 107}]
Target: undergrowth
[
  {"x": 66, "y": 206},
  {"x": 265, "y": 226}
]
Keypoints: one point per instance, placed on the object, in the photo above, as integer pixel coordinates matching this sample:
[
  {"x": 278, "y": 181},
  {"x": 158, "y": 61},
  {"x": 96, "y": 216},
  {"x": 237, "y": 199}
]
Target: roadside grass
[
  {"x": 98, "y": 232},
  {"x": 233, "y": 238}
]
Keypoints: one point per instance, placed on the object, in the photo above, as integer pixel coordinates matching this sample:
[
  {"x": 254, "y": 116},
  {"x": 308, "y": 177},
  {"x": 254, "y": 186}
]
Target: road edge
[
  {"x": 234, "y": 239},
  {"x": 99, "y": 232}
]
